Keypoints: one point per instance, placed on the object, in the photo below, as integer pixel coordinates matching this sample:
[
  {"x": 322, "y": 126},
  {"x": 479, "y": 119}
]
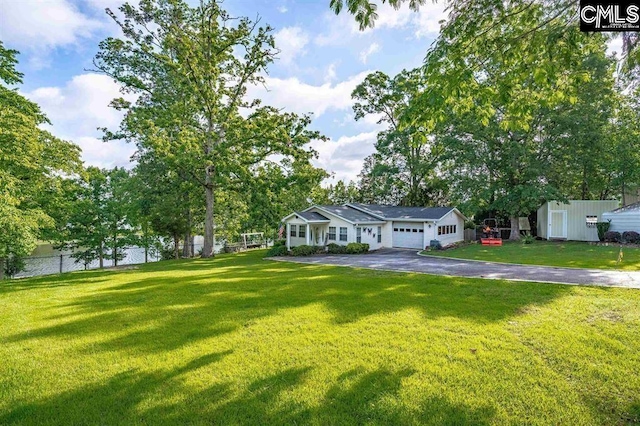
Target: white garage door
[{"x": 408, "y": 235}]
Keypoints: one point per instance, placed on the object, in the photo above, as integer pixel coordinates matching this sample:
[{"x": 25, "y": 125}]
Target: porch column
[
  {"x": 288, "y": 231},
  {"x": 307, "y": 234}
]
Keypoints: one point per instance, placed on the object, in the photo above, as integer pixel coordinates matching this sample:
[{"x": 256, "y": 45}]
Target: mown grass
[
  {"x": 241, "y": 340},
  {"x": 572, "y": 254}
]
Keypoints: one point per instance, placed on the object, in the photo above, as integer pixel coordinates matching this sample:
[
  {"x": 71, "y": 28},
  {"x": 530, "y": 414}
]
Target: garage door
[{"x": 408, "y": 235}]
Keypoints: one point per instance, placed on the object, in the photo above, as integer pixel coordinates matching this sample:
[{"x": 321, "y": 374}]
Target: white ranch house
[{"x": 377, "y": 225}]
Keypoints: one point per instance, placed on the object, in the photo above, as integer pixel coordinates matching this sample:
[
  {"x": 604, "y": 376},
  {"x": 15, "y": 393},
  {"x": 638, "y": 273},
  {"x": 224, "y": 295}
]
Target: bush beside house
[
  {"x": 631, "y": 237},
  {"x": 612, "y": 237}
]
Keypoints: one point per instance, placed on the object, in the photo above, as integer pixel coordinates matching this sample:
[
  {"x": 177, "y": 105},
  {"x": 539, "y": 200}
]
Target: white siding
[
  {"x": 452, "y": 218},
  {"x": 625, "y": 221},
  {"x": 577, "y": 212},
  {"x": 296, "y": 241},
  {"x": 338, "y": 223},
  {"x": 543, "y": 220},
  {"x": 387, "y": 234}
]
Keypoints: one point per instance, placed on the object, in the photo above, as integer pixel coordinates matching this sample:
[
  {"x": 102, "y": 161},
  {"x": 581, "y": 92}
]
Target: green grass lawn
[
  {"x": 566, "y": 254},
  {"x": 241, "y": 340}
]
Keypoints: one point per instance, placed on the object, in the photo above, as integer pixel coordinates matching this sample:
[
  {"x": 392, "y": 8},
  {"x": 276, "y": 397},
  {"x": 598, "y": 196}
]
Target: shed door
[
  {"x": 558, "y": 224},
  {"x": 408, "y": 235}
]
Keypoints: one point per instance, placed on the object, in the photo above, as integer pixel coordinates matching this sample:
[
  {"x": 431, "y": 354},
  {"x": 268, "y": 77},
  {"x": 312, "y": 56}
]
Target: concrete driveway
[{"x": 409, "y": 261}]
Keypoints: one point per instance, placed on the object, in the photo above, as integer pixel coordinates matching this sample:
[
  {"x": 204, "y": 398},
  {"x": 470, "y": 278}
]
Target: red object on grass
[{"x": 491, "y": 241}]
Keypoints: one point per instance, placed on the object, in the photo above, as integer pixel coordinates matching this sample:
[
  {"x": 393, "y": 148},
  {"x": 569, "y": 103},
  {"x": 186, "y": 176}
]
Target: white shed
[
  {"x": 625, "y": 218},
  {"x": 575, "y": 220}
]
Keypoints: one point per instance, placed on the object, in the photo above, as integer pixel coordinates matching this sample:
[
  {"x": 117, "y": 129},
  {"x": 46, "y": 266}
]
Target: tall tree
[
  {"x": 406, "y": 158},
  {"x": 32, "y": 163},
  {"x": 200, "y": 61},
  {"x": 99, "y": 224}
]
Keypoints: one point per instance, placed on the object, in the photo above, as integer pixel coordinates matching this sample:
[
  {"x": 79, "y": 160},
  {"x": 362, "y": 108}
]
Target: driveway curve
[{"x": 410, "y": 261}]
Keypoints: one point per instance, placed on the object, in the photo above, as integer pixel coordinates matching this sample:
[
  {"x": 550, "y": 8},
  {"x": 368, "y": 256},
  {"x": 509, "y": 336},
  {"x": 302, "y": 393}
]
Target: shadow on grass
[
  {"x": 165, "y": 311},
  {"x": 358, "y": 397}
]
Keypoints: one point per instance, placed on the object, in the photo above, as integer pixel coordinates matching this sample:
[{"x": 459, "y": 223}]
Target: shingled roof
[
  {"x": 399, "y": 212},
  {"x": 313, "y": 217},
  {"x": 350, "y": 214}
]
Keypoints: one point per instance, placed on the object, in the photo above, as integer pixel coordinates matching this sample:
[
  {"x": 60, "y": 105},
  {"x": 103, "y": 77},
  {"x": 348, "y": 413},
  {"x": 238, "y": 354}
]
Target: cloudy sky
[{"x": 323, "y": 58}]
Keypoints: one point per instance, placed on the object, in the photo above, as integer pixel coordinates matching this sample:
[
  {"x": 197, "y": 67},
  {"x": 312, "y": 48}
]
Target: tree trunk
[
  {"x": 209, "y": 233},
  {"x": 115, "y": 250},
  {"x": 515, "y": 229},
  {"x": 2, "y": 263},
  {"x": 209, "y": 237},
  {"x": 186, "y": 247},
  {"x": 176, "y": 248},
  {"x": 101, "y": 255}
]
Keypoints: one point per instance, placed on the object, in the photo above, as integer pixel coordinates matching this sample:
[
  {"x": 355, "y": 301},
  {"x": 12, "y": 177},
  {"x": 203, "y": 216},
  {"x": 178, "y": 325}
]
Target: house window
[
  {"x": 293, "y": 230},
  {"x": 302, "y": 233},
  {"x": 343, "y": 234},
  {"x": 447, "y": 229},
  {"x": 415, "y": 229},
  {"x": 422, "y": 231},
  {"x": 379, "y": 234},
  {"x": 592, "y": 220},
  {"x": 332, "y": 233},
  {"x": 395, "y": 229},
  {"x": 358, "y": 235}
]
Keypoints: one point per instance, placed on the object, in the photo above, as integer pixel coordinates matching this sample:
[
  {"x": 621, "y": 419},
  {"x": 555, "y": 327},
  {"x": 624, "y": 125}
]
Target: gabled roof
[
  {"x": 635, "y": 207},
  {"x": 399, "y": 212},
  {"x": 349, "y": 214},
  {"x": 311, "y": 217},
  {"x": 358, "y": 213}
]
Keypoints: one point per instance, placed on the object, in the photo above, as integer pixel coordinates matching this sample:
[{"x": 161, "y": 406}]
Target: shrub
[
  {"x": 334, "y": 248},
  {"x": 280, "y": 243},
  {"x": 357, "y": 248},
  {"x": 167, "y": 252},
  {"x": 278, "y": 250},
  {"x": 612, "y": 237},
  {"x": 631, "y": 237},
  {"x": 304, "y": 250},
  {"x": 602, "y": 227},
  {"x": 13, "y": 265},
  {"x": 528, "y": 239},
  {"x": 435, "y": 245}
]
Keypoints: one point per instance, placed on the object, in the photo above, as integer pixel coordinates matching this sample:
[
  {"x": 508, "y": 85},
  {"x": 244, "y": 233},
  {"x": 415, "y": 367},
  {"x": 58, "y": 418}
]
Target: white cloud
[
  {"x": 78, "y": 108},
  {"x": 343, "y": 28},
  {"x": 427, "y": 22},
  {"x": 615, "y": 46},
  {"x": 340, "y": 29},
  {"x": 364, "y": 55},
  {"x": 330, "y": 75},
  {"x": 39, "y": 26},
  {"x": 283, "y": 9},
  {"x": 344, "y": 157},
  {"x": 291, "y": 42},
  {"x": 106, "y": 155},
  {"x": 296, "y": 96}
]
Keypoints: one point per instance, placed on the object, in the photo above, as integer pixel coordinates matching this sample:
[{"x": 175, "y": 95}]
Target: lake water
[{"x": 46, "y": 260}]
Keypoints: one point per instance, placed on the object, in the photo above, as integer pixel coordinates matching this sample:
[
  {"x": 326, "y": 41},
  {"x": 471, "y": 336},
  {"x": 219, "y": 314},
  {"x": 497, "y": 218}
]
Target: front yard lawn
[
  {"x": 241, "y": 340},
  {"x": 572, "y": 254}
]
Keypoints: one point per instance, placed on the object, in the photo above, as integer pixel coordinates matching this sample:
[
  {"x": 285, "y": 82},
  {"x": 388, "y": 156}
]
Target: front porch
[{"x": 311, "y": 234}]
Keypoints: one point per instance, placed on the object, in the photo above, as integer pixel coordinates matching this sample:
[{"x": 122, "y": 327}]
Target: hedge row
[{"x": 631, "y": 237}]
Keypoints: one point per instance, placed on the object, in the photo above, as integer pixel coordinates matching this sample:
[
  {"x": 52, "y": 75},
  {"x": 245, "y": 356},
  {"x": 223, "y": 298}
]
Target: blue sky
[{"x": 323, "y": 58}]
